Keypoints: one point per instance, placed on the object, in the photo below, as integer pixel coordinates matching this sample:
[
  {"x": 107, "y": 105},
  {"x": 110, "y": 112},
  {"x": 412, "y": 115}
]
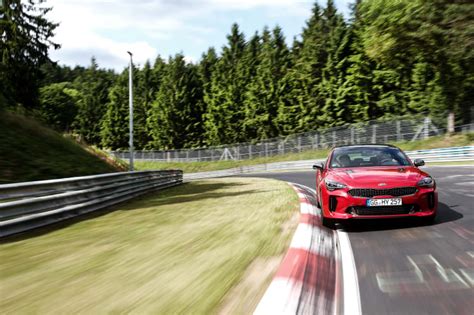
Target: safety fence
[
  {"x": 28, "y": 205},
  {"x": 452, "y": 154},
  {"x": 370, "y": 132}
]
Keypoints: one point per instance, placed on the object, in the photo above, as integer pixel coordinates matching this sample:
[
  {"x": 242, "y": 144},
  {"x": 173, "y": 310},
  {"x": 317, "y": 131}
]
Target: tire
[
  {"x": 318, "y": 204},
  {"x": 329, "y": 223},
  {"x": 430, "y": 220}
]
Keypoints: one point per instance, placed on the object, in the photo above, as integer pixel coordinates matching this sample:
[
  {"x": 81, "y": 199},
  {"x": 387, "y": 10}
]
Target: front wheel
[
  {"x": 429, "y": 220},
  {"x": 329, "y": 223}
]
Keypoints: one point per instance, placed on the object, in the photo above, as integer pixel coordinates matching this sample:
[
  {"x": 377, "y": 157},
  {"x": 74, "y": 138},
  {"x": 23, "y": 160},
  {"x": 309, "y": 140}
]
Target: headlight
[
  {"x": 426, "y": 182},
  {"x": 332, "y": 185}
]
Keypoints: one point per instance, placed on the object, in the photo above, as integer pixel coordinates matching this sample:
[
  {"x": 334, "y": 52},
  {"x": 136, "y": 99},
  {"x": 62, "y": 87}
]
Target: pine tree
[
  {"x": 267, "y": 91},
  {"x": 305, "y": 76},
  {"x": 224, "y": 116},
  {"x": 176, "y": 116},
  {"x": 94, "y": 86},
  {"x": 58, "y": 105},
  {"x": 358, "y": 81},
  {"x": 207, "y": 66},
  {"x": 144, "y": 94},
  {"x": 115, "y": 129},
  {"x": 25, "y": 39},
  {"x": 333, "y": 87}
]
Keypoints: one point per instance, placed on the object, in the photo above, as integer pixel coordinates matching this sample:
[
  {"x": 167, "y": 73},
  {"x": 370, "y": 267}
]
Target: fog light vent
[
  {"x": 332, "y": 203},
  {"x": 431, "y": 200}
]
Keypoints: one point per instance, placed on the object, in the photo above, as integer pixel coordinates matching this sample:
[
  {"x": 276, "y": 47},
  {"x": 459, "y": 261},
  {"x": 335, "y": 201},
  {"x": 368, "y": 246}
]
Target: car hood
[{"x": 378, "y": 177}]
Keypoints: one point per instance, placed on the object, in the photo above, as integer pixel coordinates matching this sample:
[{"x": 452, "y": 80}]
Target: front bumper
[{"x": 339, "y": 204}]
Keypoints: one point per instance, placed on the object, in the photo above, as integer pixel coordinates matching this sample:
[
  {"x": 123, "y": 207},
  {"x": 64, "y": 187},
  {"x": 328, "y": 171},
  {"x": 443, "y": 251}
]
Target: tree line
[{"x": 389, "y": 58}]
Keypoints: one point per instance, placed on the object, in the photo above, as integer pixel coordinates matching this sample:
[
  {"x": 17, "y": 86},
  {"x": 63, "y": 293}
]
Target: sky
[{"x": 107, "y": 29}]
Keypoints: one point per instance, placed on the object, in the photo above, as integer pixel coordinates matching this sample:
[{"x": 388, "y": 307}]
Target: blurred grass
[
  {"x": 30, "y": 151},
  {"x": 192, "y": 167},
  {"x": 450, "y": 163},
  {"x": 178, "y": 251}
]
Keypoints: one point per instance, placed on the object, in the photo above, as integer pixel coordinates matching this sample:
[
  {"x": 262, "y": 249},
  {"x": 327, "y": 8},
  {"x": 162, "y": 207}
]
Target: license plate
[{"x": 384, "y": 202}]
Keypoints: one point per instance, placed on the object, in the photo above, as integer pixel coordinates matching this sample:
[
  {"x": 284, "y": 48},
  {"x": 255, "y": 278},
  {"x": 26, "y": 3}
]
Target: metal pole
[{"x": 130, "y": 93}]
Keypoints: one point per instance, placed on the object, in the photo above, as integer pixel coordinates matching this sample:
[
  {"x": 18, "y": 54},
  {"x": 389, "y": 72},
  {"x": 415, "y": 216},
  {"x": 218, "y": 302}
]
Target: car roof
[{"x": 365, "y": 145}]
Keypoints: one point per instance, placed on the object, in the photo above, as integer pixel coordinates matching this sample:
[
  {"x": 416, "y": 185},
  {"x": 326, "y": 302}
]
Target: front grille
[
  {"x": 369, "y": 192},
  {"x": 361, "y": 210}
]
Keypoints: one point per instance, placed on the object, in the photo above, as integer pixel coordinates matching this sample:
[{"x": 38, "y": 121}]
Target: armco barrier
[
  {"x": 453, "y": 154},
  {"x": 28, "y": 205}
]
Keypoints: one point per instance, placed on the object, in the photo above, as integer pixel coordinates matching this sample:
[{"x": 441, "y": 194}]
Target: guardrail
[
  {"x": 452, "y": 154},
  {"x": 28, "y": 205}
]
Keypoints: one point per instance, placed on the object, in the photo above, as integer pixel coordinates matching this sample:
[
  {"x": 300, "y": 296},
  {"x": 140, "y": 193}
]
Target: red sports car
[{"x": 373, "y": 181}]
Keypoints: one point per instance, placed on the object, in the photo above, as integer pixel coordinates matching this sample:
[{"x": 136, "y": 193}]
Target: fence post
[
  {"x": 168, "y": 156},
  {"x": 199, "y": 155},
  {"x": 299, "y": 144},
  {"x": 399, "y": 131},
  {"x": 250, "y": 151},
  {"x": 334, "y": 138},
  {"x": 266, "y": 149},
  {"x": 315, "y": 143},
  {"x": 426, "y": 128},
  {"x": 374, "y": 133},
  {"x": 450, "y": 122},
  {"x": 352, "y": 136}
]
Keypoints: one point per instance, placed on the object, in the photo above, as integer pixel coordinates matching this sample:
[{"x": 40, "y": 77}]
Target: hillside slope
[{"x": 30, "y": 151}]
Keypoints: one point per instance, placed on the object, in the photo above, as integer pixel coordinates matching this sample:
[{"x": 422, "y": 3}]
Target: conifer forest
[{"x": 388, "y": 58}]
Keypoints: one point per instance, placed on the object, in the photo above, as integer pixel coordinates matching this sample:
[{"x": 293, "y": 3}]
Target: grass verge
[
  {"x": 192, "y": 167},
  {"x": 30, "y": 151},
  {"x": 461, "y": 163},
  {"x": 178, "y": 251}
]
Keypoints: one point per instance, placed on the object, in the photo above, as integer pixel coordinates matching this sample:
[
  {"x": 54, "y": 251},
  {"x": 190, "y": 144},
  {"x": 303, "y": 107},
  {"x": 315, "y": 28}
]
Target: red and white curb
[{"x": 307, "y": 281}]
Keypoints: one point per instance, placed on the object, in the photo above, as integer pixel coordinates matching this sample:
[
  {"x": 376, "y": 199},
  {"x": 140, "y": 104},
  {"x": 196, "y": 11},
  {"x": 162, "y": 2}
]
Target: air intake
[{"x": 370, "y": 192}]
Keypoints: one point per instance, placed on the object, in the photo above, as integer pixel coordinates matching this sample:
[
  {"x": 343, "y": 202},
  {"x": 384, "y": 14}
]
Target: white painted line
[{"x": 349, "y": 275}]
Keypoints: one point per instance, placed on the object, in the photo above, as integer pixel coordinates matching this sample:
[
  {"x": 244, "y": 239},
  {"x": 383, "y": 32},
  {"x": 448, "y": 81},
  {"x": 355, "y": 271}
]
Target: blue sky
[{"x": 108, "y": 28}]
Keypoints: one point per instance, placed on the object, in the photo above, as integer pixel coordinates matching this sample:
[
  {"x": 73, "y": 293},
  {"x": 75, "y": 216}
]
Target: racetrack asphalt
[{"x": 406, "y": 267}]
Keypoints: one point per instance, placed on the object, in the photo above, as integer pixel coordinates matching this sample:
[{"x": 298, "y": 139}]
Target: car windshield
[{"x": 367, "y": 156}]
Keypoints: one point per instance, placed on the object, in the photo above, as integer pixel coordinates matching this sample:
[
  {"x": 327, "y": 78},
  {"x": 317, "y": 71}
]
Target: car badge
[{"x": 382, "y": 184}]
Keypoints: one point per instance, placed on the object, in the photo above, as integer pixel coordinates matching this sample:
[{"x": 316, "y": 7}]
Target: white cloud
[
  {"x": 84, "y": 25},
  {"x": 108, "y": 28},
  {"x": 249, "y": 4},
  {"x": 189, "y": 59}
]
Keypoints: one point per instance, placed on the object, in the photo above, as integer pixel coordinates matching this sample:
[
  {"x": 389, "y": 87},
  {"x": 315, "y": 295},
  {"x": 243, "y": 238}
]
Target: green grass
[
  {"x": 191, "y": 167},
  {"x": 178, "y": 251},
  {"x": 30, "y": 151},
  {"x": 450, "y": 163}
]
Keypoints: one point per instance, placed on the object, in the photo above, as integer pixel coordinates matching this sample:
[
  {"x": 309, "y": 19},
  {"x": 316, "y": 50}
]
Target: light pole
[{"x": 130, "y": 93}]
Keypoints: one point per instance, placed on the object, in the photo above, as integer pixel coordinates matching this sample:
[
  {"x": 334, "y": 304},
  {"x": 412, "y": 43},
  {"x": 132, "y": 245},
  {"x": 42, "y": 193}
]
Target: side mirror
[
  {"x": 419, "y": 162},
  {"x": 318, "y": 166}
]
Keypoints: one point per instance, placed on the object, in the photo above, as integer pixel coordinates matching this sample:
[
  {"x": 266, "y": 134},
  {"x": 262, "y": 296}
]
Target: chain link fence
[{"x": 402, "y": 129}]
